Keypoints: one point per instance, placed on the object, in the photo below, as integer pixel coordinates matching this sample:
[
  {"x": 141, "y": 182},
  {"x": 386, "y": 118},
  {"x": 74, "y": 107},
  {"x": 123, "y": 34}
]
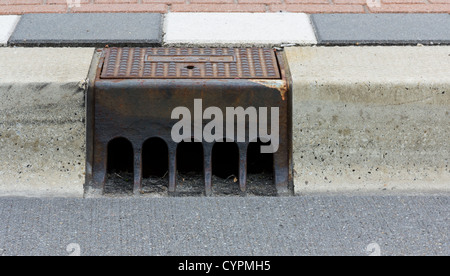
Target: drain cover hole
[
  {"x": 120, "y": 156},
  {"x": 190, "y": 180},
  {"x": 257, "y": 162},
  {"x": 155, "y": 158},
  {"x": 260, "y": 171},
  {"x": 190, "y": 158},
  {"x": 120, "y": 167},
  {"x": 225, "y": 160},
  {"x": 225, "y": 168},
  {"x": 155, "y": 166},
  {"x": 190, "y": 67}
]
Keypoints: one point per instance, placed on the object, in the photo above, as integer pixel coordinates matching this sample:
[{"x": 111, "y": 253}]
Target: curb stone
[
  {"x": 370, "y": 118},
  {"x": 42, "y": 121}
]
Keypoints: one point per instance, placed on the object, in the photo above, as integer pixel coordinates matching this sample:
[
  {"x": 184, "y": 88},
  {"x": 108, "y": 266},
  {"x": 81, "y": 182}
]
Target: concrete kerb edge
[
  {"x": 89, "y": 122},
  {"x": 43, "y": 181},
  {"x": 392, "y": 177}
]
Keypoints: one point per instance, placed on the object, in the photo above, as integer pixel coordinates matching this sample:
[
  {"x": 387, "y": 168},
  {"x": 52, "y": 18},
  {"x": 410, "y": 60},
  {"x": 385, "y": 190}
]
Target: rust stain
[{"x": 279, "y": 85}]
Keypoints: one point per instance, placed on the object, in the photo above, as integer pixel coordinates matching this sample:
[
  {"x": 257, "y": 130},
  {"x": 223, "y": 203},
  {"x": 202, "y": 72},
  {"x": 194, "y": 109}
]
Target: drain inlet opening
[
  {"x": 190, "y": 178},
  {"x": 260, "y": 170},
  {"x": 225, "y": 168},
  {"x": 120, "y": 167},
  {"x": 155, "y": 166}
]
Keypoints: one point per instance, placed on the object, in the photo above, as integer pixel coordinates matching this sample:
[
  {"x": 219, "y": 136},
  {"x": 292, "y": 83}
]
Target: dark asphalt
[{"x": 302, "y": 225}]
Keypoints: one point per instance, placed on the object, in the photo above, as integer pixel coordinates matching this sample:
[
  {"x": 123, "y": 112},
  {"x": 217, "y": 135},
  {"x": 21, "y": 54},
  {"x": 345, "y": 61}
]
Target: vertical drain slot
[
  {"x": 225, "y": 168},
  {"x": 155, "y": 166},
  {"x": 190, "y": 180},
  {"x": 120, "y": 167},
  {"x": 260, "y": 170}
]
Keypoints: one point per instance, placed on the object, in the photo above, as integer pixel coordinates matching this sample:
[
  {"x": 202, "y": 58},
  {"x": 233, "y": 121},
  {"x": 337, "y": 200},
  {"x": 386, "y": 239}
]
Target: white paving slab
[
  {"x": 7, "y": 25},
  {"x": 243, "y": 29}
]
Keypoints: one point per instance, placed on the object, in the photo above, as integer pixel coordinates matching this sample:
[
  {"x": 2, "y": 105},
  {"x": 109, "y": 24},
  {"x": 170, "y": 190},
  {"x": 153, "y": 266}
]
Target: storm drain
[{"x": 189, "y": 120}]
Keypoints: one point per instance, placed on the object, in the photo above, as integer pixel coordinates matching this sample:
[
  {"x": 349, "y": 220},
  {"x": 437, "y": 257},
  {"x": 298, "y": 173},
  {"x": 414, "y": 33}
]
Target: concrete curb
[
  {"x": 42, "y": 115},
  {"x": 370, "y": 118}
]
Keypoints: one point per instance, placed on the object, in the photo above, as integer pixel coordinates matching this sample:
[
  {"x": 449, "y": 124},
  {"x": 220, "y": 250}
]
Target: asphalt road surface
[{"x": 300, "y": 225}]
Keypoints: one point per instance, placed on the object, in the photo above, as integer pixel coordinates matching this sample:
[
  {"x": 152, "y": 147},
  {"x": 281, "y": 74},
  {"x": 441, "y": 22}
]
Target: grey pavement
[
  {"x": 301, "y": 225},
  {"x": 381, "y": 29},
  {"x": 88, "y": 29},
  {"x": 223, "y": 29}
]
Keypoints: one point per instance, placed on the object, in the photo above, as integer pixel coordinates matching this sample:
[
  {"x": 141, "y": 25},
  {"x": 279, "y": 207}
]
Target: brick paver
[{"x": 163, "y": 6}]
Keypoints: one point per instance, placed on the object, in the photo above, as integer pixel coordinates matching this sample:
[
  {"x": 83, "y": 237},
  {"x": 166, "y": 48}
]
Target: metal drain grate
[
  {"x": 136, "y": 90},
  {"x": 191, "y": 63}
]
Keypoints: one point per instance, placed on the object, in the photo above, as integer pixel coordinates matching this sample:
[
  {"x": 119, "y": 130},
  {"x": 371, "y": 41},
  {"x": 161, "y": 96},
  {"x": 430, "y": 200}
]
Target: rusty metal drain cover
[
  {"x": 136, "y": 91},
  {"x": 191, "y": 63}
]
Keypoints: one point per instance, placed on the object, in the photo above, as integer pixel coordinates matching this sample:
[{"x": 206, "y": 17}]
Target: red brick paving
[{"x": 163, "y": 6}]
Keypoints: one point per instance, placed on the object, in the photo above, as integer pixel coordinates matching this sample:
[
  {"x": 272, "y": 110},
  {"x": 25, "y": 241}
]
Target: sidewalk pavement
[
  {"x": 307, "y": 225},
  {"x": 223, "y": 29}
]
